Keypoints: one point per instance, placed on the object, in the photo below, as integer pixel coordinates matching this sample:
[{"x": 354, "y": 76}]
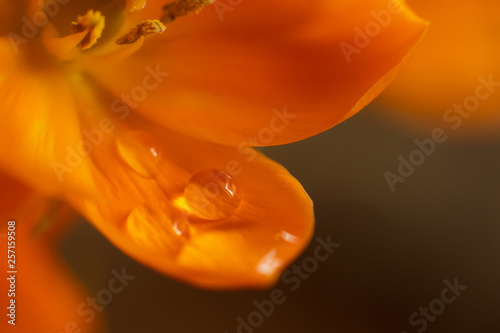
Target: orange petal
[
  {"x": 227, "y": 76},
  {"x": 40, "y": 276},
  {"x": 40, "y": 126},
  {"x": 143, "y": 171},
  {"x": 462, "y": 45},
  {"x": 8, "y": 12},
  {"x": 17, "y": 200},
  {"x": 64, "y": 48},
  {"x": 38, "y": 214}
]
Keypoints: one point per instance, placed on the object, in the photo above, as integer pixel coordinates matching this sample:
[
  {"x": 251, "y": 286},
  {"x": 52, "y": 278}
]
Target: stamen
[
  {"x": 135, "y": 5},
  {"x": 170, "y": 12},
  {"x": 94, "y": 23},
  {"x": 145, "y": 28},
  {"x": 181, "y": 8}
]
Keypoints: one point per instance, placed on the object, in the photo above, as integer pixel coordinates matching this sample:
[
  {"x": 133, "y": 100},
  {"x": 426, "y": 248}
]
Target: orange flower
[
  {"x": 142, "y": 117},
  {"x": 444, "y": 84}
]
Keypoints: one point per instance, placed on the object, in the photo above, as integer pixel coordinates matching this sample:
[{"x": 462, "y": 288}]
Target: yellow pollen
[
  {"x": 171, "y": 11},
  {"x": 94, "y": 23},
  {"x": 145, "y": 28},
  {"x": 182, "y": 8},
  {"x": 135, "y": 5}
]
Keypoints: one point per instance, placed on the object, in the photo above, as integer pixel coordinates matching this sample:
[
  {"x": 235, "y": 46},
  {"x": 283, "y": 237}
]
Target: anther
[
  {"x": 171, "y": 11},
  {"x": 94, "y": 23},
  {"x": 135, "y": 5},
  {"x": 145, "y": 28},
  {"x": 182, "y": 8}
]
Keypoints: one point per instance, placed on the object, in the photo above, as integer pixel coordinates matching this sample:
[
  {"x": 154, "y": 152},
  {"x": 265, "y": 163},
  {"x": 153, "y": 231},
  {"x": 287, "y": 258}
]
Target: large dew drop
[
  {"x": 212, "y": 195},
  {"x": 141, "y": 152}
]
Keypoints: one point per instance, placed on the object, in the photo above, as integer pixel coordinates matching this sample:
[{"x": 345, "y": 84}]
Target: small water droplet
[
  {"x": 269, "y": 264},
  {"x": 141, "y": 152},
  {"x": 212, "y": 195},
  {"x": 157, "y": 225},
  {"x": 289, "y": 237}
]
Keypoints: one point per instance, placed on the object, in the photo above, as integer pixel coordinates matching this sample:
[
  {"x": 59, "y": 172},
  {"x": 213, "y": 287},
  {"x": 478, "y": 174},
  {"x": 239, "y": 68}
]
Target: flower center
[{"x": 67, "y": 29}]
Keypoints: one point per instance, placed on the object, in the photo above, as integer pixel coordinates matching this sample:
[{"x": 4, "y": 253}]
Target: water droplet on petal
[
  {"x": 157, "y": 225},
  {"x": 141, "y": 152},
  {"x": 212, "y": 195},
  {"x": 289, "y": 237},
  {"x": 269, "y": 264}
]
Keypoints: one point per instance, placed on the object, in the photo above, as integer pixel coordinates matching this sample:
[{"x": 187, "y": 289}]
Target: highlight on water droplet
[
  {"x": 141, "y": 152},
  {"x": 269, "y": 264},
  {"x": 289, "y": 237},
  {"x": 212, "y": 195},
  {"x": 157, "y": 225}
]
